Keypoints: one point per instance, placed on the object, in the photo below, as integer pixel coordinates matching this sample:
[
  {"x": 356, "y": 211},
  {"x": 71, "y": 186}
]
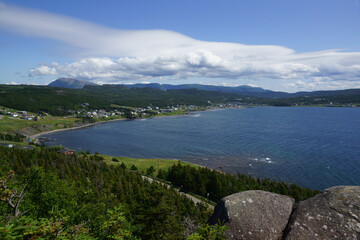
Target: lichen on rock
[
  {"x": 333, "y": 214},
  {"x": 254, "y": 214}
]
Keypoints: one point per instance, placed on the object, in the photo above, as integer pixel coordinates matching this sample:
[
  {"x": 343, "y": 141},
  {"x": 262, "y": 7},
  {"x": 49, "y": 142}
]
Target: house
[
  {"x": 14, "y": 115},
  {"x": 28, "y": 116},
  {"x": 67, "y": 151}
]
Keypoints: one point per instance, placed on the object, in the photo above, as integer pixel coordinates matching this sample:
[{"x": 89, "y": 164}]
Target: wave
[{"x": 261, "y": 159}]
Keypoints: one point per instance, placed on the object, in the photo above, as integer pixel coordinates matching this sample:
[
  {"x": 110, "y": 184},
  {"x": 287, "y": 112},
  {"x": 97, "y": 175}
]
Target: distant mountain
[
  {"x": 243, "y": 90},
  {"x": 238, "y": 90},
  {"x": 246, "y": 90},
  {"x": 70, "y": 83}
]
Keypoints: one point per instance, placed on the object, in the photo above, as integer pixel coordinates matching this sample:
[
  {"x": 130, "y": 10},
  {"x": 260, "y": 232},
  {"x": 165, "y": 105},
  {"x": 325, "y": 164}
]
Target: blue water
[{"x": 313, "y": 147}]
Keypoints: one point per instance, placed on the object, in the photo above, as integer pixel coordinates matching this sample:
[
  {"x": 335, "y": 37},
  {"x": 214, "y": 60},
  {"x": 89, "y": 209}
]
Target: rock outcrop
[
  {"x": 333, "y": 214},
  {"x": 254, "y": 215}
]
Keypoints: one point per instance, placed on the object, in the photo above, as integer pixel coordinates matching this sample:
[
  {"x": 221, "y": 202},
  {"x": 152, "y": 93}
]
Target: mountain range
[{"x": 243, "y": 90}]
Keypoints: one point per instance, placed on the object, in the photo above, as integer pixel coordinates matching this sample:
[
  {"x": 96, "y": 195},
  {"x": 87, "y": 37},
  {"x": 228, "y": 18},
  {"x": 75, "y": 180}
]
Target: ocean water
[{"x": 312, "y": 147}]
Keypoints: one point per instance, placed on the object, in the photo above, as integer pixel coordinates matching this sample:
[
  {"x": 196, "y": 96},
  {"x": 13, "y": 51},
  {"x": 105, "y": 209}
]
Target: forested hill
[
  {"x": 48, "y": 195},
  {"x": 58, "y": 101}
]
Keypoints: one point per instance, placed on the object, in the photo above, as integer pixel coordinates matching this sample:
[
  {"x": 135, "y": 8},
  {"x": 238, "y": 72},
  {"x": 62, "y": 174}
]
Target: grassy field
[
  {"x": 143, "y": 163},
  {"x": 10, "y": 125},
  {"x": 15, "y": 143},
  {"x": 174, "y": 113}
]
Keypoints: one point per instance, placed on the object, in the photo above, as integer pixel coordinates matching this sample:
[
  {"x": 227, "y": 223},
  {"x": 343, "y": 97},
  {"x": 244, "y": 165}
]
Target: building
[
  {"x": 27, "y": 116},
  {"x": 67, "y": 151}
]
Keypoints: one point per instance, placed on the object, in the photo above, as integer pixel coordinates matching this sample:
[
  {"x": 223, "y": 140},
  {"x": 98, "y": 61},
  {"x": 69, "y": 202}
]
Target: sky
[{"x": 281, "y": 45}]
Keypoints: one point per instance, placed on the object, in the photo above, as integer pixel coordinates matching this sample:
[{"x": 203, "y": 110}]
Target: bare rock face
[
  {"x": 254, "y": 214},
  {"x": 333, "y": 214}
]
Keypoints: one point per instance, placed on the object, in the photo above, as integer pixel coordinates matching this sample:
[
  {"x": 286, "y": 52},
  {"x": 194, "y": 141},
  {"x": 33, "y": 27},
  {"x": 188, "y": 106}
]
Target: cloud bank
[{"x": 138, "y": 55}]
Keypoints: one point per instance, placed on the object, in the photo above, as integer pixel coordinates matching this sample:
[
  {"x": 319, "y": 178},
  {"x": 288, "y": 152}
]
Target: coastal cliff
[{"x": 333, "y": 214}]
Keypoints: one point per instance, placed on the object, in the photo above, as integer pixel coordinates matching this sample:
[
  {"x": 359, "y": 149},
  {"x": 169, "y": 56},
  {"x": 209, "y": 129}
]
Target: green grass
[
  {"x": 174, "y": 113},
  {"x": 111, "y": 118},
  {"x": 143, "y": 163},
  {"x": 10, "y": 125},
  {"x": 15, "y": 143}
]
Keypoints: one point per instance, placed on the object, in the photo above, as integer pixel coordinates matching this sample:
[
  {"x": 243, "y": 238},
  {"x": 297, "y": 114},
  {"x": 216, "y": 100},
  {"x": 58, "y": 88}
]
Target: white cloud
[
  {"x": 321, "y": 83},
  {"x": 253, "y": 85},
  {"x": 43, "y": 70},
  {"x": 141, "y": 55},
  {"x": 12, "y": 82}
]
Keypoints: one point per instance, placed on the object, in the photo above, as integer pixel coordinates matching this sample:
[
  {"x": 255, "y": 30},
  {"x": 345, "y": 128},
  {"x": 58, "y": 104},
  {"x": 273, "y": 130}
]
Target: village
[{"x": 124, "y": 111}]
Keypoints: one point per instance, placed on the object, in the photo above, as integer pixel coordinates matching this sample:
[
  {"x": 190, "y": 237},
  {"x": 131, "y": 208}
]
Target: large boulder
[
  {"x": 333, "y": 214},
  {"x": 254, "y": 214}
]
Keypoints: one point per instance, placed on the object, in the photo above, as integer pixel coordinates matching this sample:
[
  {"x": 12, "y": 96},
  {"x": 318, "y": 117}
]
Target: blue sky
[{"x": 279, "y": 45}]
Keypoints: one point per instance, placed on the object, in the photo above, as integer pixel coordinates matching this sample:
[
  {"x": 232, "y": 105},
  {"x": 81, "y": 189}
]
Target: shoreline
[{"x": 37, "y": 135}]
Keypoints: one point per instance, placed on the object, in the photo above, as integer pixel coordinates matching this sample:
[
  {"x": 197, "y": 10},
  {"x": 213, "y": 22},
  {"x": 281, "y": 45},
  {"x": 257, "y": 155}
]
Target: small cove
[{"x": 313, "y": 147}]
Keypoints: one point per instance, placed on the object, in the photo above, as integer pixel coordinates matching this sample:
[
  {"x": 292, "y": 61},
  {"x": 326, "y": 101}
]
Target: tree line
[
  {"x": 48, "y": 195},
  {"x": 215, "y": 185}
]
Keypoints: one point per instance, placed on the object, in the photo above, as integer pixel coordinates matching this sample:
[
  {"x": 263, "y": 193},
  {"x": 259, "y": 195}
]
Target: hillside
[
  {"x": 79, "y": 196},
  {"x": 59, "y": 101}
]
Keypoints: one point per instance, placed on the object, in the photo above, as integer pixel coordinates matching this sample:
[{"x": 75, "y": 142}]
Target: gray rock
[
  {"x": 333, "y": 214},
  {"x": 254, "y": 214}
]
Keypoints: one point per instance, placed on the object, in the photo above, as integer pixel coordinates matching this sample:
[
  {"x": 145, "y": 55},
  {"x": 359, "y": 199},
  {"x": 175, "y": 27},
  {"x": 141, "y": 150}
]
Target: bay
[{"x": 310, "y": 146}]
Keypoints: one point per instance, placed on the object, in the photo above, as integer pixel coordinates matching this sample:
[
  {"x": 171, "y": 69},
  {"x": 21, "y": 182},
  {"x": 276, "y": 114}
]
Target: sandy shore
[{"x": 72, "y": 128}]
